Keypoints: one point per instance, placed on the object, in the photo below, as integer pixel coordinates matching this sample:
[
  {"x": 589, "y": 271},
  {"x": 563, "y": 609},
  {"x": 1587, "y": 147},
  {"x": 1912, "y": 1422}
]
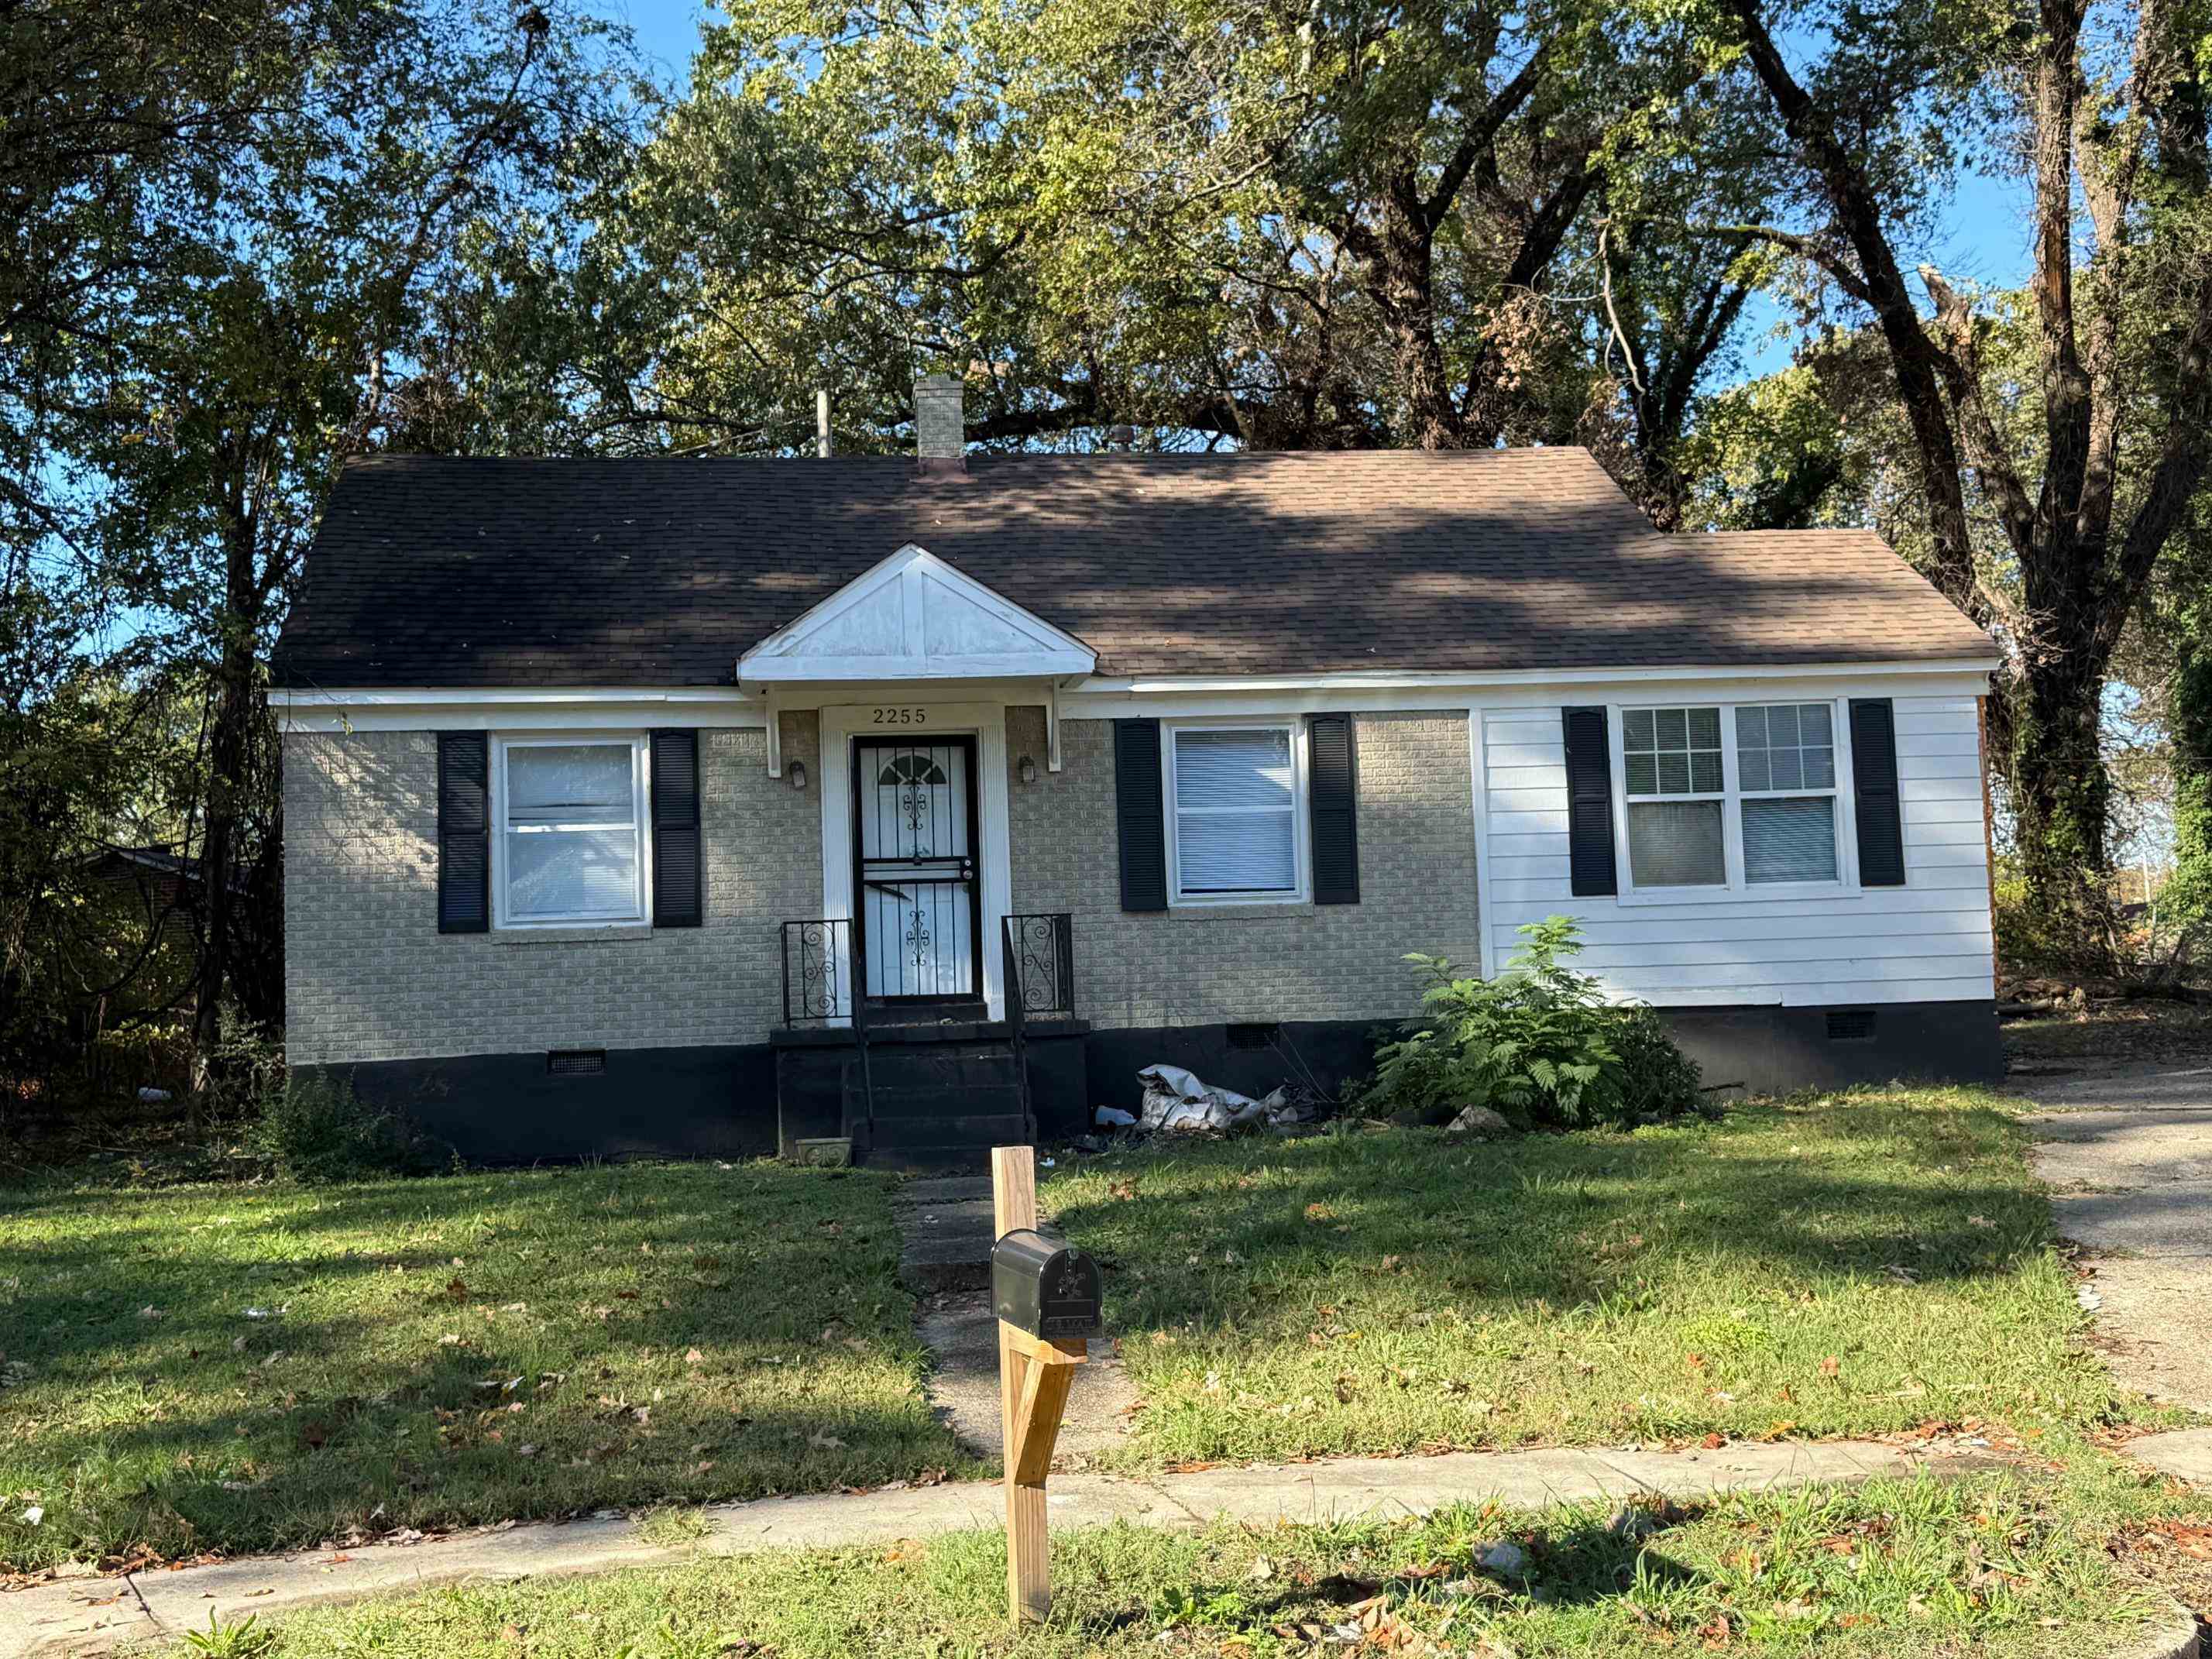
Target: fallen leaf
[{"x": 1831, "y": 1365}]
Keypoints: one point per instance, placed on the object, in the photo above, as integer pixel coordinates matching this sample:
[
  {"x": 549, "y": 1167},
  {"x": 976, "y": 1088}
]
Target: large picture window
[
  {"x": 571, "y": 832},
  {"x": 1233, "y": 794},
  {"x": 1728, "y": 797}
]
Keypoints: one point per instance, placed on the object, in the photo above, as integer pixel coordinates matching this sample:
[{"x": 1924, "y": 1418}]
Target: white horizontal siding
[{"x": 1928, "y": 940}]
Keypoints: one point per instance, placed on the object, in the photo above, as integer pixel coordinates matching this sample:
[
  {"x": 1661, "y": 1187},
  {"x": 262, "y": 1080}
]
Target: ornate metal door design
[{"x": 917, "y": 899}]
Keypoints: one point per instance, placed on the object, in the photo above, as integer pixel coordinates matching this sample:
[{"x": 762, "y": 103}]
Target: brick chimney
[{"x": 941, "y": 425}]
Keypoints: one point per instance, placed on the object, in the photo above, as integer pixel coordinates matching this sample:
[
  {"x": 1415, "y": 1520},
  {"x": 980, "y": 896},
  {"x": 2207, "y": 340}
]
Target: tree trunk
[
  {"x": 2060, "y": 795},
  {"x": 2186, "y": 903},
  {"x": 236, "y": 701},
  {"x": 1401, "y": 280}
]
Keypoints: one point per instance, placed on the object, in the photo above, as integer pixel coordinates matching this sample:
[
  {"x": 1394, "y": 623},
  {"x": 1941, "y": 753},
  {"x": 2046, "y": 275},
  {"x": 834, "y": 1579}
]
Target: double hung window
[{"x": 1732, "y": 797}]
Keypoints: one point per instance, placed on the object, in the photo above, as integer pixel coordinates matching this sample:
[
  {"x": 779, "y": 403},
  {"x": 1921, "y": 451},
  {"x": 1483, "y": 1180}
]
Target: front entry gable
[{"x": 914, "y": 617}]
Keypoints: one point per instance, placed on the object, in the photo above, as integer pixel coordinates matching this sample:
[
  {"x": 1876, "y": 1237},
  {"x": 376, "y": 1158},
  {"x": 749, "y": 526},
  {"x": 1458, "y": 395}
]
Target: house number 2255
[{"x": 901, "y": 717}]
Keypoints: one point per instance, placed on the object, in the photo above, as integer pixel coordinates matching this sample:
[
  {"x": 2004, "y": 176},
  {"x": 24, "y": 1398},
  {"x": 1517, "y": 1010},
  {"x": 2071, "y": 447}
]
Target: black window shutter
[
  {"x": 1335, "y": 807},
  {"x": 464, "y": 832},
  {"x": 1590, "y": 803},
  {"x": 1874, "y": 776},
  {"x": 678, "y": 869},
  {"x": 1138, "y": 815}
]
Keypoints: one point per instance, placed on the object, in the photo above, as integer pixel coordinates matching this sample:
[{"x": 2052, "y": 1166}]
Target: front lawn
[
  {"x": 1851, "y": 1265},
  {"x": 2000, "y": 1565},
  {"x": 235, "y": 1367}
]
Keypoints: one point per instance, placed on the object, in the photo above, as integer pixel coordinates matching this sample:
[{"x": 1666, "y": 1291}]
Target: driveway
[{"x": 2127, "y": 1149}]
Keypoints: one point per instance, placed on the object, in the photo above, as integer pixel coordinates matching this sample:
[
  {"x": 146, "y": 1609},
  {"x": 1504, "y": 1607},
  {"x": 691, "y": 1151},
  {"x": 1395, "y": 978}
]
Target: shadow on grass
[{"x": 610, "y": 1338}]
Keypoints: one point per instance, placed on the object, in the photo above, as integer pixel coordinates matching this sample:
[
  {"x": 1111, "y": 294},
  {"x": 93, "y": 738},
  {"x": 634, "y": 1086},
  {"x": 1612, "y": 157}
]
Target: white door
[{"x": 915, "y": 878}]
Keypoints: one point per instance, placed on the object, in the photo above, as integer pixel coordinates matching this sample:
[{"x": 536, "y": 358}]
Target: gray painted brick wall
[
  {"x": 368, "y": 976},
  {"x": 1255, "y": 962}
]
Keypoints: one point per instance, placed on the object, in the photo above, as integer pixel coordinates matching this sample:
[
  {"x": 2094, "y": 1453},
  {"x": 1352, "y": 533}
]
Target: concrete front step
[
  {"x": 941, "y": 1104},
  {"x": 975, "y": 1132}
]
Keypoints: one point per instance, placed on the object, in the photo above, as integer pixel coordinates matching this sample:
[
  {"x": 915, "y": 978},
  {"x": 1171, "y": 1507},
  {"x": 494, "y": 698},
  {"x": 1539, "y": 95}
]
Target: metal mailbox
[{"x": 1046, "y": 1286}]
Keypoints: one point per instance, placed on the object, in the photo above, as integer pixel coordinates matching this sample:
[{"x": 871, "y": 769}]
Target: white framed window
[
  {"x": 570, "y": 841},
  {"x": 1676, "y": 795},
  {"x": 1235, "y": 810},
  {"x": 1786, "y": 770},
  {"x": 1742, "y": 799}
]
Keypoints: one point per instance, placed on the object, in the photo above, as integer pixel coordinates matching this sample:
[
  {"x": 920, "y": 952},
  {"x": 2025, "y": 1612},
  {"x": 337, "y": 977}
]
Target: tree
[
  {"x": 2086, "y": 455},
  {"x": 251, "y": 300}
]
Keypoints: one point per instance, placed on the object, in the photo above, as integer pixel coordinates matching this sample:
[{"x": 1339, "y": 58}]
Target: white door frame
[{"x": 987, "y": 723}]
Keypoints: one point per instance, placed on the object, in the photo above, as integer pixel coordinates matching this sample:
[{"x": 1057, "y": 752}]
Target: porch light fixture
[
  {"x": 1026, "y": 768},
  {"x": 797, "y": 770}
]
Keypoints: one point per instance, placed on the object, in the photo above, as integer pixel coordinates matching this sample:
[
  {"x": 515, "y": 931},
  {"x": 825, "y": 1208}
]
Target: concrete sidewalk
[
  {"x": 2127, "y": 1149},
  {"x": 96, "y": 1616}
]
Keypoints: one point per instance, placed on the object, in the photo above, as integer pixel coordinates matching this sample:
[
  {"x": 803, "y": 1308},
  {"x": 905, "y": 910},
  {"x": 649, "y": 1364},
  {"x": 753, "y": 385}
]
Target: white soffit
[{"x": 914, "y": 617}]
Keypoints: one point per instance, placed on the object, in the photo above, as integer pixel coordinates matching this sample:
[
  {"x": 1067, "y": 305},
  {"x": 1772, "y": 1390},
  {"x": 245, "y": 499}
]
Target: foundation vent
[
  {"x": 575, "y": 1062},
  {"x": 1850, "y": 1025}
]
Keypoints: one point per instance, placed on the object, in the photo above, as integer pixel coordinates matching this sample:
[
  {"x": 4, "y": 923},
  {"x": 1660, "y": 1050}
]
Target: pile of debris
[{"x": 1179, "y": 1102}]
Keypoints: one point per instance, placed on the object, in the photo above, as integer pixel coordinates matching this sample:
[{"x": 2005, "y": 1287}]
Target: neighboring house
[{"x": 600, "y": 776}]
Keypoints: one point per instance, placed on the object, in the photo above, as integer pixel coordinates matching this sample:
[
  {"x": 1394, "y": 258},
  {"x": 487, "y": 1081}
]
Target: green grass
[
  {"x": 1850, "y": 1265},
  {"x": 440, "y": 1352},
  {"x": 1997, "y": 1564}
]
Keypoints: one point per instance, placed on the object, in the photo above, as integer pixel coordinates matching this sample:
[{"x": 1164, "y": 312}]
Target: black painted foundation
[
  {"x": 647, "y": 1102},
  {"x": 723, "y": 1102}
]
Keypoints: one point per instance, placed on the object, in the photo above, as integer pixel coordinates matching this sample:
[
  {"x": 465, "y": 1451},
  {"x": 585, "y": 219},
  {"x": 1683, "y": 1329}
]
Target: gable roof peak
[{"x": 914, "y": 616}]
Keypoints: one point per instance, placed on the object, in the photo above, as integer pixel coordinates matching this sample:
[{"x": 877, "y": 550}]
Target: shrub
[
  {"x": 1539, "y": 1044},
  {"x": 1658, "y": 1080},
  {"x": 313, "y": 1129}
]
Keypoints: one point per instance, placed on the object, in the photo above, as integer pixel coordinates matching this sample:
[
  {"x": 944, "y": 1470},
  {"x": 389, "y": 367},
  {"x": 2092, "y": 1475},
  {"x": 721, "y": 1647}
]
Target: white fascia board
[
  {"x": 858, "y": 670},
  {"x": 1099, "y": 698},
  {"x": 350, "y": 698},
  {"x": 1141, "y": 685},
  {"x": 449, "y": 708}
]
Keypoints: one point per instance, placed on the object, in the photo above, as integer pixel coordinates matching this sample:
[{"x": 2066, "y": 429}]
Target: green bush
[
  {"x": 1538, "y": 1045},
  {"x": 1658, "y": 1080},
  {"x": 313, "y": 1129}
]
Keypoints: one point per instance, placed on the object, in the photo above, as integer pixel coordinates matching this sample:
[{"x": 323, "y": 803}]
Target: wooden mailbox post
[{"x": 1036, "y": 1367}]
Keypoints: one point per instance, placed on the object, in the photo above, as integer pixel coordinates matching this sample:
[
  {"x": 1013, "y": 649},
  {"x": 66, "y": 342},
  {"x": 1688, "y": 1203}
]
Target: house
[{"x": 619, "y": 794}]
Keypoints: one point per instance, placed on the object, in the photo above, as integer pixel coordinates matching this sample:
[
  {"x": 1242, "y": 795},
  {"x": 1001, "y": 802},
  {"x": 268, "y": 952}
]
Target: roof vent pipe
[{"x": 940, "y": 428}]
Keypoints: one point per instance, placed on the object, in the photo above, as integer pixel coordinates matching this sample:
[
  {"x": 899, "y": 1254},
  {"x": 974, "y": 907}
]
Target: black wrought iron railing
[
  {"x": 1038, "y": 960},
  {"x": 1040, "y": 965},
  {"x": 819, "y": 975},
  {"x": 823, "y": 979}
]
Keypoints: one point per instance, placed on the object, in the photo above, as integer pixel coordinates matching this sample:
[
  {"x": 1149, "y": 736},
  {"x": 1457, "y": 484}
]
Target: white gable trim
[{"x": 914, "y": 617}]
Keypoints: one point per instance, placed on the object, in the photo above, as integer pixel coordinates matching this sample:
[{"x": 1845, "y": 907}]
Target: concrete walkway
[
  {"x": 2127, "y": 1149},
  {"x": 944, "y": 1258},
  {"x": 95, "y": 1615}
]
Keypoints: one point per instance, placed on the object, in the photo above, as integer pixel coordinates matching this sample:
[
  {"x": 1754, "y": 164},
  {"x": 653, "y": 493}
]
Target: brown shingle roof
[{"x": 432, "y": 572}]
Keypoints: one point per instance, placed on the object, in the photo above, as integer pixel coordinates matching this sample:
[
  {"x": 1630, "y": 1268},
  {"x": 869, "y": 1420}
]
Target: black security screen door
[{"x": 914, "y": 848}]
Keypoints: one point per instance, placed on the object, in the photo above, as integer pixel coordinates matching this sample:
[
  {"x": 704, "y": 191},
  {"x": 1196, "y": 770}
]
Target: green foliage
[
  {"x": 1658, "y": 1080},
  {"x": 243, "y": 1640},
  {"x": 1539, "y": 1044},
  {"x": 313, "y": 1129}
]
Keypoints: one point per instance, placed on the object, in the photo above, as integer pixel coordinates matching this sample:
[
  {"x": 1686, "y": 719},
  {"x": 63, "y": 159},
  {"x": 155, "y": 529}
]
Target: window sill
[
  {"x": 600, "y": 933},
  {"x": 1227, "y": 908}
]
